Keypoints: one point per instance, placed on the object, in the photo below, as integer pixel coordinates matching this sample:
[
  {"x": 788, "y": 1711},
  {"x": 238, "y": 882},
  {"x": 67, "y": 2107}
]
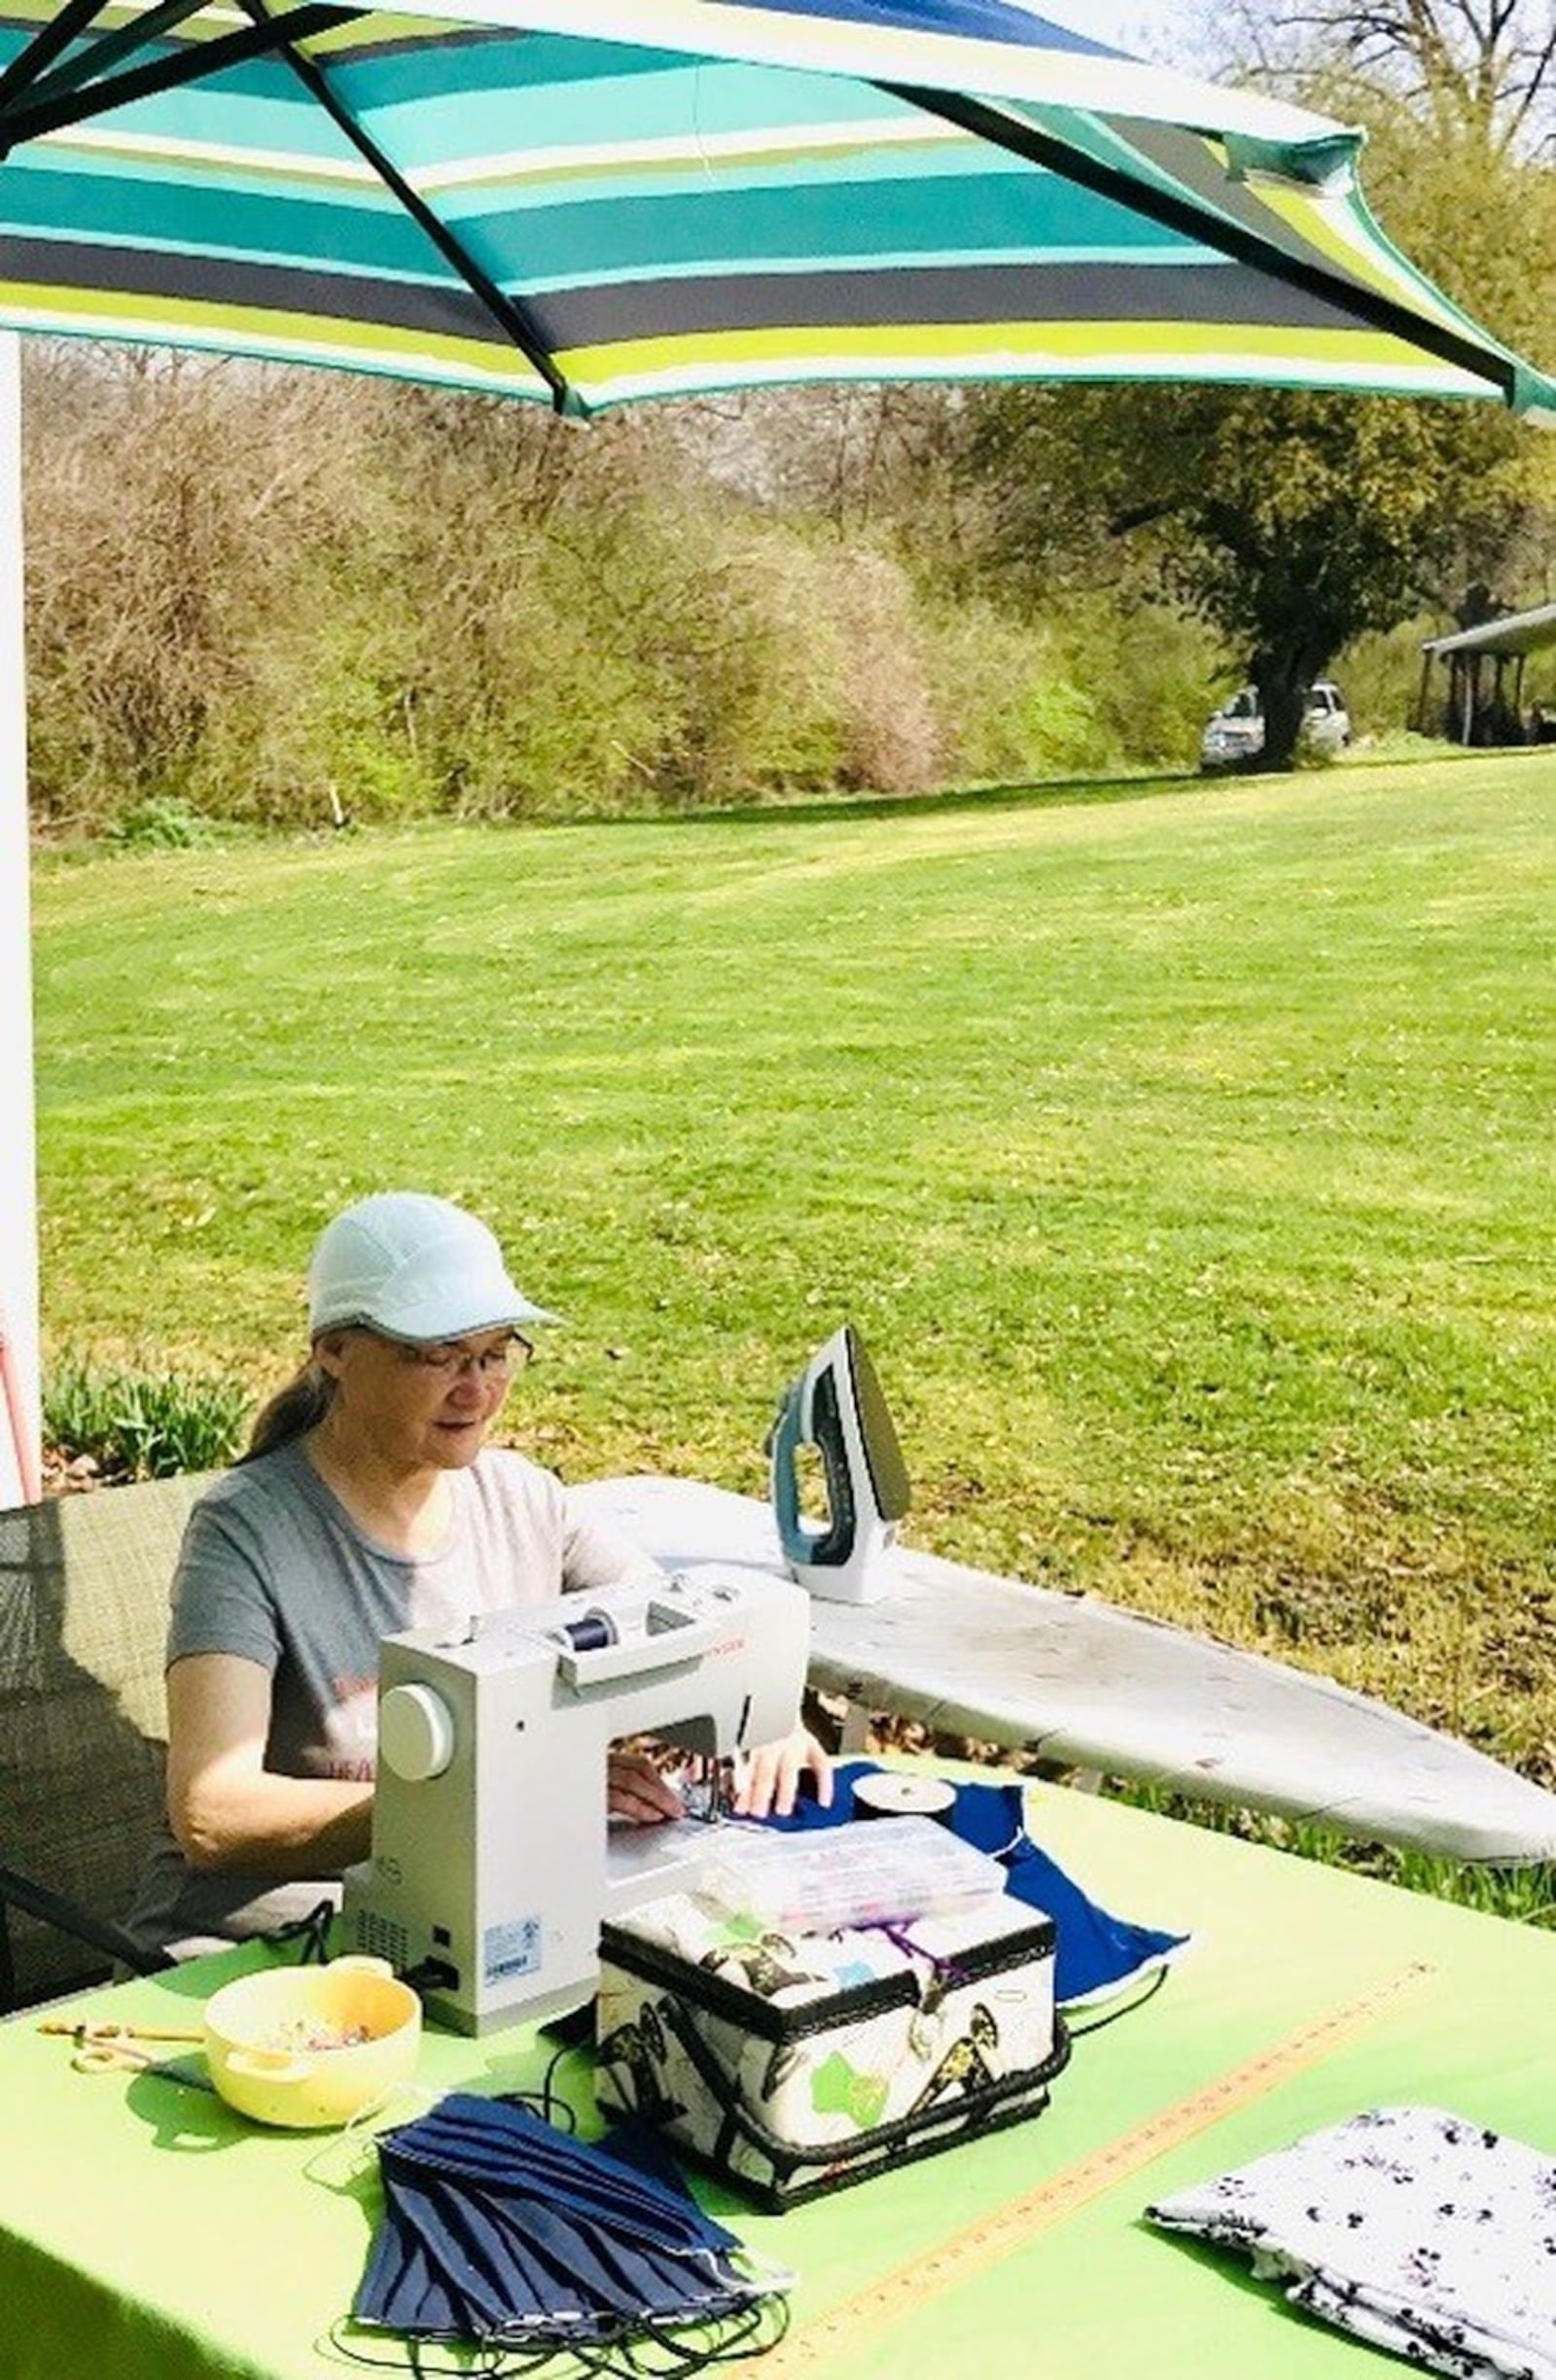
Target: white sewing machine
[{"x": 493, "y": 1861}]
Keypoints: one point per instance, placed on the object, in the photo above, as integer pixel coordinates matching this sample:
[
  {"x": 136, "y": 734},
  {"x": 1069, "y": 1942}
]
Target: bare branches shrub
[
  {"x": 719, "y": 626},
  {"x": 980, "y": 663},
  {"x": 167, "y": 498},
  {"x": 892, "y": 739},
  {"x": 275, "y": 598}
]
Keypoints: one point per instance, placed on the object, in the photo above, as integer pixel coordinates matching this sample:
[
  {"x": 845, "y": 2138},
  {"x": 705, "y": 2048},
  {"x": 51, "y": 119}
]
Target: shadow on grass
[
  {"x": 825, "y": 809},
  {"x": 1049, "y": 793}
]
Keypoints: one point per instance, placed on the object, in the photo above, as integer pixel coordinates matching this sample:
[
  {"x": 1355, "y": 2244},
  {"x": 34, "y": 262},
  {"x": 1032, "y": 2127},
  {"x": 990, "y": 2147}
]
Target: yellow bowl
[{"x": 283, "y": 2047}]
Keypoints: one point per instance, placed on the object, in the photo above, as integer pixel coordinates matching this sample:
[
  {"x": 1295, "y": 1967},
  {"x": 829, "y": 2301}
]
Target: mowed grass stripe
[{"x": 1184, "y": 1153}]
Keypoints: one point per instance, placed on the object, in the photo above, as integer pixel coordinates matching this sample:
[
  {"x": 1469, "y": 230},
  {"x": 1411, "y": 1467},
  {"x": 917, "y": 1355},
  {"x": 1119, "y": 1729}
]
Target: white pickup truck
[{"x": 1235, "y": 735}]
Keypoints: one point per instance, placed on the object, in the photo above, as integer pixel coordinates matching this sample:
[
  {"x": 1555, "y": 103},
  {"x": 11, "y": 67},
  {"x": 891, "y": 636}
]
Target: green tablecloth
[{"x": 146, "y": 2233}]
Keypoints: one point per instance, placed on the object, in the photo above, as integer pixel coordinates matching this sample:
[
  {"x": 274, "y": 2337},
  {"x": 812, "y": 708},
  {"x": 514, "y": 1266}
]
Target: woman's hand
[
  {"x": 770, "y": 1778},
  {"x": 634, "y": 1790}
]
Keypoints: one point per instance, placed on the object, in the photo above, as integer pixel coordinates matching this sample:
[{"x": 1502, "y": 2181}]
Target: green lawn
[{"x": 1184, "y": 1152}]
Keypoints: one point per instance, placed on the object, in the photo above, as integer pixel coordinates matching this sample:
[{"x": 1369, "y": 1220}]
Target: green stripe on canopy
[{"x": 590, "y": 204}]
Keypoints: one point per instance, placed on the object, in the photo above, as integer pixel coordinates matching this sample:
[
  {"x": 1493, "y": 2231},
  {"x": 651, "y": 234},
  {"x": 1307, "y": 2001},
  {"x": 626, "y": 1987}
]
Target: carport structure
[{"x": 1484, "y": 701}]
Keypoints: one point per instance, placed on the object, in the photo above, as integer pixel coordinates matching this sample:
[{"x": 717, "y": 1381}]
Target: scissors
[{"x": 103, "y": 2048}]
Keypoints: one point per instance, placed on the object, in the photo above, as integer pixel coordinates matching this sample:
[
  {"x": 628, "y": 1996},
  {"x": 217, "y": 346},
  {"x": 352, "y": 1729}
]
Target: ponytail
[{"x": 294, "y": 1410}]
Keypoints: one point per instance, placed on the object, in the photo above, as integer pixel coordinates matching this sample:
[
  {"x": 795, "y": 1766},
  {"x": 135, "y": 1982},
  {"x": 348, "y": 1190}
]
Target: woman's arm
[{"x": 229, "y": 1812}]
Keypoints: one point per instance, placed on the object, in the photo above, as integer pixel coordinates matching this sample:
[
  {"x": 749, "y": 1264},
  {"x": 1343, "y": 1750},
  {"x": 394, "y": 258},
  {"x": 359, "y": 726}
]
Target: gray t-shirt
[{"x": 273, "y": 1568}]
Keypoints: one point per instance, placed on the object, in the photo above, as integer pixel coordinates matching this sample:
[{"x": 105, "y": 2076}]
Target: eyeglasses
[{"x": 449, "y": 1363}]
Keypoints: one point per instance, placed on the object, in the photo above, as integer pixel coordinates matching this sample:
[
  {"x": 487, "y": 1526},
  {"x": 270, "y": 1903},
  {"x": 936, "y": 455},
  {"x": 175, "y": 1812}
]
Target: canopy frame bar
[
  {"x": 32, "y": 63},
  {"x": 1182, "y": 214},
  {"x": 82, "y": 87},
  {"x": 73, "y": 103},
  {"x": 509, "y": 314},
  {"x": 93, "y": 65}
]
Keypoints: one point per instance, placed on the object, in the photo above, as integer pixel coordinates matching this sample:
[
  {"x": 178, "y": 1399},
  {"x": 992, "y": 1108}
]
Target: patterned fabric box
[{"x": 793, "y": 2064}]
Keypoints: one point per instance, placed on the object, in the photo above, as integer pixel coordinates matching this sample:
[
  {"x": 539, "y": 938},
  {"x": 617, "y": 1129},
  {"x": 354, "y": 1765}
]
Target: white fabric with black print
[{"x": 1416, "y": 2229}]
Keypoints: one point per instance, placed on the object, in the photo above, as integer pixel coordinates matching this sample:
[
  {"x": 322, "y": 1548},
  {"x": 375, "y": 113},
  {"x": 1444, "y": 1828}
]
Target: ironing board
[{"x": 1083, "y": 1683}]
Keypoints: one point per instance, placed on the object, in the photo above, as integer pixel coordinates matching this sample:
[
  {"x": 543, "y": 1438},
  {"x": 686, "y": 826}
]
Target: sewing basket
[{"x": 794, "y": 2063}]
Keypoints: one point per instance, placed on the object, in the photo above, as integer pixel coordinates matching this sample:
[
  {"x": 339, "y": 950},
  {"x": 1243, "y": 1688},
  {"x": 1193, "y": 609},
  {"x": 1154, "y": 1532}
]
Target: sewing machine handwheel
[{"x": 416, "y": 1733}]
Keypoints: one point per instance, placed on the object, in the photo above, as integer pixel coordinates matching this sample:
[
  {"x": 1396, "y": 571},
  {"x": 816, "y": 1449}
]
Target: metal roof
[{"x": 1518, "y": 632}]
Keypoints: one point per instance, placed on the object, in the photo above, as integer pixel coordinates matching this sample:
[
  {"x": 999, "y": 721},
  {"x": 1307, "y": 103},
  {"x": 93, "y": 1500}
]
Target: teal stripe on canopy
[
  {"x": 806, "y": 225},
  {"x": 146, "y": 214},
  {"x": 601, "y": 200}
]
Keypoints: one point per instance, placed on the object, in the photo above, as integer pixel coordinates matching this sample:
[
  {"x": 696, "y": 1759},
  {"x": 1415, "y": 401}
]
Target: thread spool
[
  {"x": 889, "y": 1796},
  {"x": 591, "y": 1634}
]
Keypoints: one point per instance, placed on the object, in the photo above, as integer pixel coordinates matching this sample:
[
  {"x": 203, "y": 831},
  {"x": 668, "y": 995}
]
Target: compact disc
[{"x": 888, "y": 1795}]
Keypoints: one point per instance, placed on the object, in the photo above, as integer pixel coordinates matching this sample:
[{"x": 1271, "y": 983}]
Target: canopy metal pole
[{"x": 21, "y": 1426}]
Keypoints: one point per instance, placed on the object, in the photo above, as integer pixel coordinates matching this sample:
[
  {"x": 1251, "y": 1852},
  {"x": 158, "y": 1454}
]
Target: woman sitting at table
[{"x": 369, "y": 1502}]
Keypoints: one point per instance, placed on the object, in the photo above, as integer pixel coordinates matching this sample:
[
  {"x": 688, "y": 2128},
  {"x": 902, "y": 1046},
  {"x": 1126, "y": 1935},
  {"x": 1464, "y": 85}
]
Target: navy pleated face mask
[{"x": 502, "y": 2230}]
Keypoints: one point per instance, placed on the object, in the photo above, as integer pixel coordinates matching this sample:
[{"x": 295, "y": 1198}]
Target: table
[{"x": 148, "y": 2233}]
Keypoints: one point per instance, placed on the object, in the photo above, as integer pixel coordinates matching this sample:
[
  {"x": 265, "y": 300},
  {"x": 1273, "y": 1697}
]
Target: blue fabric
[
  {"x": 1097, "y": 1952},
  {"x": 498, "y": 2227},
  {"x": 965, "y": 20}
]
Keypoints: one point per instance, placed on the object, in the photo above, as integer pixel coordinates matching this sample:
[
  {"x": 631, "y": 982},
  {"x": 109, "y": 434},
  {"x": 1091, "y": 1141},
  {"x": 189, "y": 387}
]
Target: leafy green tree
[
  {"x": 1293, "y": 522},
  {"x": 1312, "y": 519}
]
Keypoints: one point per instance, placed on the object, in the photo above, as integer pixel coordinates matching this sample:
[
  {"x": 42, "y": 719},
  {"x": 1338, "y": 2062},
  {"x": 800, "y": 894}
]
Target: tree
[
  {"x": 1292, "y": 522},
  {"x": 1481, "y": 69},
  {"x": 1361, "y": 521}
]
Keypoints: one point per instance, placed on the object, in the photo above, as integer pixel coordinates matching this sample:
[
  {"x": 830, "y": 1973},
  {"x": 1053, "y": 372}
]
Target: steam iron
[{"x": 837, "y": 1406}]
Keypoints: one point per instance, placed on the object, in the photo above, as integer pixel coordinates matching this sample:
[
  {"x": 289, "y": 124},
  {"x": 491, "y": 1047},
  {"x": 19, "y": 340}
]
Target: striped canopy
[{"x": 590, "y": 201}]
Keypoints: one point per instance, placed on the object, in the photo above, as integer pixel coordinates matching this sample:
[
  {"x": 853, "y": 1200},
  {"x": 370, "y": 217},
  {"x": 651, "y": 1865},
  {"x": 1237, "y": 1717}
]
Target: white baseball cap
[{"x": 413, "y": 1268}]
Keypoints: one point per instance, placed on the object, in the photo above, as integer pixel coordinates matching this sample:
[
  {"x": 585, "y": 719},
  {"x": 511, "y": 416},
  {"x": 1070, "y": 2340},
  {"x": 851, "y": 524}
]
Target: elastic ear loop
[
  {"x": 418, "y": 2358},
  {"x": 356, "y": 2139},
  {"x": 675, "y": 2359},
  {"x": 545, "y": 2101}
]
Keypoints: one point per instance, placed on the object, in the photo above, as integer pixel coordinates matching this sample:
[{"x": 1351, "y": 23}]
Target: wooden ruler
[{"x": 972, "y": 2250}]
